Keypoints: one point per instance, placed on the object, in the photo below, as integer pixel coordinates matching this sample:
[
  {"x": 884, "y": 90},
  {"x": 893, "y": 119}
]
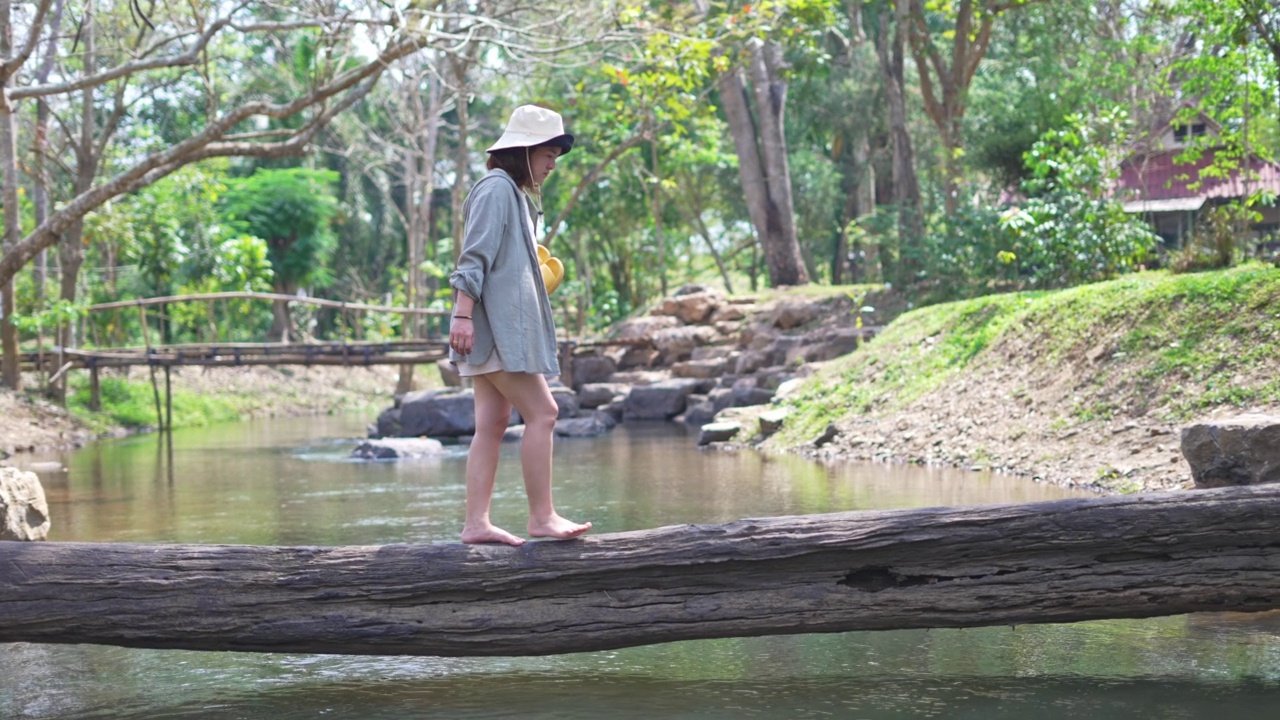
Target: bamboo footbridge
[{"x": 422, "y": 345}]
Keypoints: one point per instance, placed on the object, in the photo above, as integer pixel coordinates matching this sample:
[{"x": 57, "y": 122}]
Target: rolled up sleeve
[{"x": 485, "y": 226}]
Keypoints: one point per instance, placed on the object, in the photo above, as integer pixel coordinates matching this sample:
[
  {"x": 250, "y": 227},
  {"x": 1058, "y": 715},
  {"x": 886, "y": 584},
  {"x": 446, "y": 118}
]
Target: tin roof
[{"x": 1159, "y": 177}]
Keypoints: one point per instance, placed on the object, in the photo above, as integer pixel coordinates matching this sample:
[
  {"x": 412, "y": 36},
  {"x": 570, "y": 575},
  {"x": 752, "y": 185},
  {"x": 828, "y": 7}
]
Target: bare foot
[
  {"x": 557, "y": 528},
  {"x": 489, "y": 534}
]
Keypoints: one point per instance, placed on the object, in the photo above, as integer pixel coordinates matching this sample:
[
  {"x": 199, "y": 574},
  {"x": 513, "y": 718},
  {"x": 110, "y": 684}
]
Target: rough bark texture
[
  {"x": 760, "y": 144},
  {"x": 1062, "y": 561},
  {"x": 10, "y": 374}
]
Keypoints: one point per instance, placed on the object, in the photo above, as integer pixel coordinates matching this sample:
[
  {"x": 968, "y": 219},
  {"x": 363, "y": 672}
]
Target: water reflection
[{"x": 289, "y": 482}]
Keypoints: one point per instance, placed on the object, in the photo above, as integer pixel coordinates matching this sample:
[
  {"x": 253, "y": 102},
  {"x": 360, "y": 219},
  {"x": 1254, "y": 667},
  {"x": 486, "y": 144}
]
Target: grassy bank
[
  {"x": 204, "y": 397},
  {"x": 1161, "y": 347}
]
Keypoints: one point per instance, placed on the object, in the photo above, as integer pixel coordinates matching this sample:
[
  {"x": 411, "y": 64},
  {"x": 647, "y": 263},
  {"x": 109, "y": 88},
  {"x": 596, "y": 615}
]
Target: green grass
[
  {"x": 1173, "y": 344},
  {"x": 131, "y": 404}
]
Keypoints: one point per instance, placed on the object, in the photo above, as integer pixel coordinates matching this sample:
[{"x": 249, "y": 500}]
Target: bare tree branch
[
  {"x": 210, "y": 142},
  {"x": 11, "y": 64},
  {"x": 130, "y": 68}
]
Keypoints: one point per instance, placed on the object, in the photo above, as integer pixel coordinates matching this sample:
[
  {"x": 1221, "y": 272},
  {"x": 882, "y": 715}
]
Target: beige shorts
[{"x": 493, "y": 364}]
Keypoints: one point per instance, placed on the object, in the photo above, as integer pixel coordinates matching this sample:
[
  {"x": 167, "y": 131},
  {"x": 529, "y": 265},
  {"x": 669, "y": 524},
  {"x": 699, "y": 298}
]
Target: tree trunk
[
  {"x": 419, "y": 179},
  {"x": 786, "y": 264},
  {"x": 281, "y": 320},
  {"x": 848, "y": 265},
  {"x": 906, "y": 185},
  {"x": 10, "y": 365},
  {"x": 1048, "y": 562},
  {"x": 71, "y": 246},
  {"x": 461, "y": 65},
  {"x": 762, "y": 160},
  {"x": 655, "y": 208},
  {"x": 944, "y": 82},
  {"x": 40, "y": 149}
]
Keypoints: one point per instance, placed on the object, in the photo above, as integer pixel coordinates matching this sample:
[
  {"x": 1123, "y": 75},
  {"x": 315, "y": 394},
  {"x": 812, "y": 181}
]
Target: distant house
[{"x": 1171, "y": 195}]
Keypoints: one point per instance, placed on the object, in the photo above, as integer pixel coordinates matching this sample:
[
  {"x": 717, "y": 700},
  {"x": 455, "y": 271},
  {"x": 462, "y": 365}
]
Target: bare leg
[
  {"x": 531, "y": 396},
  {"x": 493, "y": 411}
]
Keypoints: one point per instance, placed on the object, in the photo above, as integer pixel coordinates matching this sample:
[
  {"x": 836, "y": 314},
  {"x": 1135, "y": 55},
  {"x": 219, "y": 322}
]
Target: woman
[{"x": 502, "y": 335}]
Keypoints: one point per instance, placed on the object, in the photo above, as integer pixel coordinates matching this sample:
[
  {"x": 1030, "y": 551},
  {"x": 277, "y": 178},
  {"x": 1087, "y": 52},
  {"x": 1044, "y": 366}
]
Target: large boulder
[
  {"x": 437, "y": 413},
  {"x": 589, "y": 425},
  {"x": 729, "y": 313},
  {"x": 701, "y": 369},
  {"x": 699, "y": 410},
  {"x": 640, "y": 332},
  {"x": 831, "y": 344},
  {"x": 592, "y": 368},
  {"x": 694, "y": 305},
  {"x": 387, "y": 424},
  {"x": 747, "y": 391},
  {"x": 749, "y": 361},
  {"x": 594, "y": 395},
  {"x": 643, "y": 327},
  {"x": 659, "y": 401},
  {"x": 719, "y": 432},
  {"x": 566, "y": 402},
  {"x": 635, "y": 356},
  {"x": 1243, "y": 450},
  {"x": 795, "y": 312},
  {"x": 677, "y": 344},
  {"x": 398, "y": 449},
  {"x": 24, "y": 513}
]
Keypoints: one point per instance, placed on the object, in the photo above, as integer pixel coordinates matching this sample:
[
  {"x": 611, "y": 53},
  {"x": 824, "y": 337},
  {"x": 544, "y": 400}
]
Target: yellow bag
[{"x": 552, "y": 269}]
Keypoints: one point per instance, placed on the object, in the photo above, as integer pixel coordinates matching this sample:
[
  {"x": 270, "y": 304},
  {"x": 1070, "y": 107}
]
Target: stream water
[{"x": 289, "y": 482}]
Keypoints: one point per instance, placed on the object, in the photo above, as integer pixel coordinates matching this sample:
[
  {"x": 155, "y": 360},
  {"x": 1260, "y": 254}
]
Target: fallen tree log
[{"x": 1060, "y": 561}]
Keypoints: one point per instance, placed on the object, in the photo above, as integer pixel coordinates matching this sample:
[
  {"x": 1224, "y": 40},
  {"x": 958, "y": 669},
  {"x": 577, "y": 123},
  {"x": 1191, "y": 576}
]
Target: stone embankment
[{"x": 694, "y": 356}]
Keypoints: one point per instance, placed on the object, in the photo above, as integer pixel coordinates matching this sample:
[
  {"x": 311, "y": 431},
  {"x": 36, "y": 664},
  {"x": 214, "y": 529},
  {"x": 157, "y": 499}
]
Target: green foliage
[
  {"x": 168, "y": 230},
  {"x": 291, "y": 210},
  {"x": 131, "y": 404},
  {"x": 1069, "y": 231},
  {"x": 966, "y": 254},
  {"x": 1066, "y": 231},
  {"x": 1217, "y": 241},
  {"x": 46, "y": 320},
  {"x": 1234, "y": 79}
]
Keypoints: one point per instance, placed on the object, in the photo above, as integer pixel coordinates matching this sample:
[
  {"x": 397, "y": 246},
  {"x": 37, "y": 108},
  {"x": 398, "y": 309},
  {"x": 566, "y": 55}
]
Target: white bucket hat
[{"x": 530, "y": 126}]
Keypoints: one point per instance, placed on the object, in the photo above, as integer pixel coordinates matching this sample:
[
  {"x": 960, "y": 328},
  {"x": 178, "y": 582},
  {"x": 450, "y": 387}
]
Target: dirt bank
[{"x": 1087, "y": 387}]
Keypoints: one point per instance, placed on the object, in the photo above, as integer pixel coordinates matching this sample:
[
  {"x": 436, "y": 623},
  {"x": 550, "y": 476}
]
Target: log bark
[{"x": 1050, "y": 562}]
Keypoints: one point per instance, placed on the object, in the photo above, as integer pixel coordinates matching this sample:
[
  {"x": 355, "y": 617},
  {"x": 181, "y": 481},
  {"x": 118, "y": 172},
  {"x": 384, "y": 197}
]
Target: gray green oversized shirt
[{"x": 499, "y": 269}]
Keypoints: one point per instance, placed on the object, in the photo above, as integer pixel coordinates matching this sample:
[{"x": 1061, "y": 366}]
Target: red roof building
[{"x": 1170, "y": 194}]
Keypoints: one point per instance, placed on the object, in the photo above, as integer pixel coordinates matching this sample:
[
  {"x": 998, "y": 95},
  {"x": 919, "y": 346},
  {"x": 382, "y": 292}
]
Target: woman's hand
[{"x": 462, "y": 335}]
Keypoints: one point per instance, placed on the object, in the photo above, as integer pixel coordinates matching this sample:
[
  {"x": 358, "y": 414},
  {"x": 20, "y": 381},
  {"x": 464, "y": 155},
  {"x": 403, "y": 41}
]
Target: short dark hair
[{"x": 514, "y": 162}]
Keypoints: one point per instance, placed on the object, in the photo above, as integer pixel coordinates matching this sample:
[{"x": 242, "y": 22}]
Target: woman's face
[{"x": 542, "y": 160}]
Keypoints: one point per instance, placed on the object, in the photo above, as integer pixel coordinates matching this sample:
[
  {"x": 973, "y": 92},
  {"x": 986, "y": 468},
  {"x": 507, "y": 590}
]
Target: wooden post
[
  {"x": 155, "y": 388},
  {"x": 95, "y": 389},
  {"x": 60, "y": 386},
  {"x": 168, "y": 401},
  {"x": 1046, "y": 562}
]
